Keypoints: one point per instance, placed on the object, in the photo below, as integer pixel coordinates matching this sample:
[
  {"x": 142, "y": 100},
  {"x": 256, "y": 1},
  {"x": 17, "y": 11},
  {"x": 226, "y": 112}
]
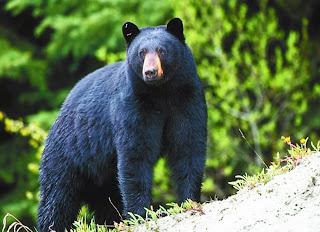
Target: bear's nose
[{"x": 151, "y": 73}]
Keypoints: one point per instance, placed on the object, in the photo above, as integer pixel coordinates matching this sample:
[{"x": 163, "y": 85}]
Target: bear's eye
[
  {"x": 142, "y": 53},
  {"x": 161, "y": 51}
]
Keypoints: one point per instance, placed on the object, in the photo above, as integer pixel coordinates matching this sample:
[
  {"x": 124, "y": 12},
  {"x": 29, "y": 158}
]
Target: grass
[
  {"x": 82, "y": 226},
  {"x": 278, "y": 166},
  {"x": 125, "y": 226},
  {"x": 15, "y": 226},
  {"x": 174, "y": 208}
]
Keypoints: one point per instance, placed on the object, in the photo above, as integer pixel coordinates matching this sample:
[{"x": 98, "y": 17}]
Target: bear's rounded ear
[
  {"x": 175, "y": 27},
  {"x": 130, "y": 31}
]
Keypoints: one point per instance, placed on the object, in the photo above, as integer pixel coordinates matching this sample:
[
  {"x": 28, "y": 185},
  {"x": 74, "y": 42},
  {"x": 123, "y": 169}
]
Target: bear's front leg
[
  {"x": 188, "y": 174},
  {"x": 138, "y": 147},
  {"x": 187, "y": 154}
]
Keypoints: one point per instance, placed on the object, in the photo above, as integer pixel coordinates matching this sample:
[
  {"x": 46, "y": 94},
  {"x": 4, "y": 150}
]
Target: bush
[{"x": 257, "y": 79}]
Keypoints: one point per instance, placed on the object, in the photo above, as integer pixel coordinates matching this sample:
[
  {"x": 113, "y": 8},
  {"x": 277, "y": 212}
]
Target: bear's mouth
[
  {"x": 152, "y": 76},
  {"x": 154, "y": 80}
]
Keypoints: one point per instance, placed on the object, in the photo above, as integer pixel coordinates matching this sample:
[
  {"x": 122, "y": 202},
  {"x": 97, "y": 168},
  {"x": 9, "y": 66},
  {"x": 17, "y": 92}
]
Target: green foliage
[
  {"x": 162, "y": 182},
  {"x": 81, "y": 28},
  {"x": 24, "y": 198},
  {"x": 20, "y": 64},
  {"x": 43, "y": 119},
  {"x": 256, "y": 76}
]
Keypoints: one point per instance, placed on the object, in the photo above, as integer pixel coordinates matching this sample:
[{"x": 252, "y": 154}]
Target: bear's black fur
[{"x": 116, "y": 123}]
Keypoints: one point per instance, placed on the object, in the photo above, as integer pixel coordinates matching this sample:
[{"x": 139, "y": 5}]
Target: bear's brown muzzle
[{"x": 152, "y": 69}]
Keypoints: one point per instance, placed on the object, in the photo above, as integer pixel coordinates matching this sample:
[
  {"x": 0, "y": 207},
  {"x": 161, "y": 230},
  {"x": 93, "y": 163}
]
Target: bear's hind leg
[
  {"x": 61, "y": 197},
  {"x": 106, "y": 213},
  {"x": 106, "y": 203},
  {"x": 58, "y": 209}
]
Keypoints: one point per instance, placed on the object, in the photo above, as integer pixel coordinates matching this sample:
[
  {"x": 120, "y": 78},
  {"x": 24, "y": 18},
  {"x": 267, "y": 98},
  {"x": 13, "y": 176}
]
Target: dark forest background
[{"x": 258, "y": 61}]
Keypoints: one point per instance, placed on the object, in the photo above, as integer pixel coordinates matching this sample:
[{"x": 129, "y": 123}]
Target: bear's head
[{"x": 155, "y": 53}]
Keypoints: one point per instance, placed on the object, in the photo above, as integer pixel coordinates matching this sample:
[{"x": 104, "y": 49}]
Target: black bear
[{"x": 116, "y": 123}]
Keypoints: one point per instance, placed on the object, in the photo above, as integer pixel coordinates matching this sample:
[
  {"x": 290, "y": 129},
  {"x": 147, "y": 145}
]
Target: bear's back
[
  {"x": 83, "y": 122},
  {"x": 97, "y": 85}
]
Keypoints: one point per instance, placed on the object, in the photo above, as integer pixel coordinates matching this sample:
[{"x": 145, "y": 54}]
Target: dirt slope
[{"x": 290, "y": 202}]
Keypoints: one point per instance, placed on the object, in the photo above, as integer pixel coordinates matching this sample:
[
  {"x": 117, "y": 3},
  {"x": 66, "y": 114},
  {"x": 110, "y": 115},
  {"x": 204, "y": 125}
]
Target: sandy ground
[{"x": 289, "y": 202}]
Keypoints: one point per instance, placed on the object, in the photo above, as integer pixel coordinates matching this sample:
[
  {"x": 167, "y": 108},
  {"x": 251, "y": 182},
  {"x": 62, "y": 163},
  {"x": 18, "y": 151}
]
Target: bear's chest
[
  {"x": 165, "y": 101},
  {"x": 162, "y": 105}
]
